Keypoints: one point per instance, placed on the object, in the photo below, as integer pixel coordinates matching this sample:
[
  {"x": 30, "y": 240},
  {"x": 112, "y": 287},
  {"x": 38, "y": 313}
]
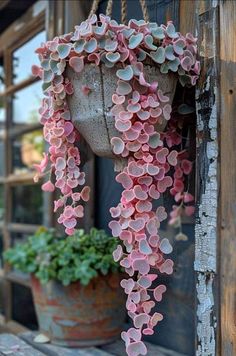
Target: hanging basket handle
[{"x": 123, "y": 9}]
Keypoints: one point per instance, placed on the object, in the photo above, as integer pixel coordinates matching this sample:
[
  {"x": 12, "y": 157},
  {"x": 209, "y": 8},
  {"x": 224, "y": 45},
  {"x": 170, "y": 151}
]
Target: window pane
[
  {"x": 2, "y": 158},
  {"x": 23, "y": 307},
  {"x": 27, "y": 204},
  {"x": 25, "y": 104},
  {"x": 24, "y": 57},
  {"x": 27, "y": 150},
  {"x": 1, "y": 202},
  {"x": 1, "y": 250},
  {"x": 2, "y": 87}
]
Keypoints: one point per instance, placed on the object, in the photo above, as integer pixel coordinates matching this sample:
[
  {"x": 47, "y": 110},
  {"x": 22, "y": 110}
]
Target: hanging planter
[
  {"x": 114, "y": 84},
  {"x": 91, "y": 113}
]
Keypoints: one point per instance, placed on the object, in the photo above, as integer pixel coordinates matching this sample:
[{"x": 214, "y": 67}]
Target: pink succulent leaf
[
  {"x": 48, "y": 187},
  {"x": 118, "y": 253},
  {"x": 167, "y": 267},
  {"x": 141, "y": 265},
  {"x": 115, "y": 227},
  {"x": 117, "y": 145},
  {"x": 158, "y": 291},
  {"x": 155, "y": 319},
  {"x": 136, "y": 348},
  {"x": 165, "y": 246},
  {"x": 141, "y": 319}
]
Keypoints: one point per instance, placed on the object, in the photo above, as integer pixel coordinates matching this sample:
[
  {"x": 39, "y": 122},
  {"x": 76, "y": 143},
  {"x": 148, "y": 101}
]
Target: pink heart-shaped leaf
[
  {"x": 158, "y": 291},
  {"x": 139, "y": 193},
  {"x": 115, "y": 227},
  {"x": 163, "y": 184},
  {"x": 167, "y": 267},
  {"x": 137, "y": 224},
  {"x": 161, "y": 155},
  {"x": 135, "y": 170},
  {"x": 152, "y": 169},
  {"x": 141, "y": 319},
  {"x": 77, "y": 63},
  {"x": 122, "y": 125},
  {"x": 128, "y": 195},
  {"x": 125, "y": 180},
  {"x": 117, "y": 145},
  {"x": 134, "y": 334},
  {"x": 117, "y": 253},
  {"x": 165, "y": 246},
  {"x": 141, "y": 265},
  {"x": 128, "y": 285},
  {"x": 148, "y": 331},
  {"x": 116, "y": 99},
  {"x": 154, "y": 240},
  {"x": 153, "y": 192},
  {"x": 136, "y": 348},
  {"x": 155, "y": 319},
  {"x": 144, "y": 247},
  {"x": 172, "y": 158},
  {"x": 125, "y": 115},
  {"x": 143, "y": 206},
  {"x": 115, "y": 212},
  {"x": 152, "y": 226},
  {"x": 161, "y": 213}
]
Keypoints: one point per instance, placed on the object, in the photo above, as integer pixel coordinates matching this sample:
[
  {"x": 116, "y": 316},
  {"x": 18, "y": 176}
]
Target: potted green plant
[{"x": 75, "y": 284}]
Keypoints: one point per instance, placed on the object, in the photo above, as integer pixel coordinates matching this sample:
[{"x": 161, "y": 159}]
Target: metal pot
[{"x": 77, "y": 315}]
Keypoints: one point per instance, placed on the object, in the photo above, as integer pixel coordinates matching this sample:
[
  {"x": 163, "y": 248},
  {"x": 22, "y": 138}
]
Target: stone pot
[
  {"x": 91, "y": 113},
  {"x": 80, "y": 316}
]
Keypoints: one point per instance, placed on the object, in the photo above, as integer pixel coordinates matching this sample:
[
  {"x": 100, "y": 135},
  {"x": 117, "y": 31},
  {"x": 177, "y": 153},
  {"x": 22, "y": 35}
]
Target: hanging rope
[
  {"x": 109, "y": 8},
  {"x": 94, "y": 7},
  {"x": 95, "y": 4},
  {"x": 123, "y": 11},
  {"x": 144, "y": 10}
]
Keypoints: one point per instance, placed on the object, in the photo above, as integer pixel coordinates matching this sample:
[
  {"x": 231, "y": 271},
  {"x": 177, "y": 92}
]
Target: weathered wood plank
[
  {"x": 53, "y": 350},
  {"x": 206, "y": 177},
  {"x": 12, "y": 344},
  {"x": 228, "y": 177}
]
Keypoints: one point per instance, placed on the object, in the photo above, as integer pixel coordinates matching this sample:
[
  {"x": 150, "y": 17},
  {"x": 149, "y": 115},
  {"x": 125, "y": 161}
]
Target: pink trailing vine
[{"x": 155, "y": 164}]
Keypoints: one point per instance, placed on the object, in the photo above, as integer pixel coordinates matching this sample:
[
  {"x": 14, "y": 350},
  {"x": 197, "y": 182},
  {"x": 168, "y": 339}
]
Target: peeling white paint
[{"x": 205, "y": 327}]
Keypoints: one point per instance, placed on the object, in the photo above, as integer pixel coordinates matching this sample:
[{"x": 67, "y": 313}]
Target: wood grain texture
[
  {"x": 9, "y": 343},
  {"x": 207, "y": 97},
  {"x": 228, "y": 177}
]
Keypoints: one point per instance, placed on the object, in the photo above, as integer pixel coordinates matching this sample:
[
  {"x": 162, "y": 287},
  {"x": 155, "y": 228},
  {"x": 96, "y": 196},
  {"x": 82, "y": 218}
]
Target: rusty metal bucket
[
  {"x": 80, "y": 316},
  {"x": 91, "y": 113}
]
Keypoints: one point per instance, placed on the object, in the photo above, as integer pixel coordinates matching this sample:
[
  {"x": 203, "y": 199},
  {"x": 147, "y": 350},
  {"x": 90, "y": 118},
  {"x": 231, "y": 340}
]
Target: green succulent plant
[{"x": 79, "y": 257}]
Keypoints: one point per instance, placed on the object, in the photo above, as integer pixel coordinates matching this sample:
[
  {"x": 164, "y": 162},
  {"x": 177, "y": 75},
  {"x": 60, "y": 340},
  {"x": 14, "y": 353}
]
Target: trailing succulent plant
[{"x": 156, "y": 162}]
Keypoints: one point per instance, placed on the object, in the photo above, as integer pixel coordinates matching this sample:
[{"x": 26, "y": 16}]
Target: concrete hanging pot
[{"x": 91, "y": 114}]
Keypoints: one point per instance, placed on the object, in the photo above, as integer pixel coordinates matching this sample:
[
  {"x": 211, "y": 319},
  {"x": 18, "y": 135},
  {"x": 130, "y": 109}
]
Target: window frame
[{"x": 19, "y": 32}]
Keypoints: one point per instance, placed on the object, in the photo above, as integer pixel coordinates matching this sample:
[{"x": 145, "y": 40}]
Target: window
[{"x": 21, "y": 146}]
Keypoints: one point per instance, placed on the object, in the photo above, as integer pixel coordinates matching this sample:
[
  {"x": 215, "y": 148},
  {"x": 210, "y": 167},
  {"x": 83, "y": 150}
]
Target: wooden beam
[
  {"x": 228, "y": 177},
  {"x": 207, "y": 104}
]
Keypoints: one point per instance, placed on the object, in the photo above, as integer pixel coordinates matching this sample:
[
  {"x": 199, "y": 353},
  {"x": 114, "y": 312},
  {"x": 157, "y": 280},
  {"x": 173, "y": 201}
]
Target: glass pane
[
  {"x": 27, "y": 204},
  {"x": 1, "y": 251},
  {"x": 2, "y": 87},
  {"x": 23, "y": 307},
  {"x": 2, "y": 75},
  {"x": 26, "y": 103},
  {"x": 1, "y": 202},
  {"x": 27, "y": 150},
  {"x": 24, "y": 57}
]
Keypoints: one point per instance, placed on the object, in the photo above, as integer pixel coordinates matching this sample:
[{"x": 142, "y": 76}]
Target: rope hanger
[{"x": 143, "y": 4}]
